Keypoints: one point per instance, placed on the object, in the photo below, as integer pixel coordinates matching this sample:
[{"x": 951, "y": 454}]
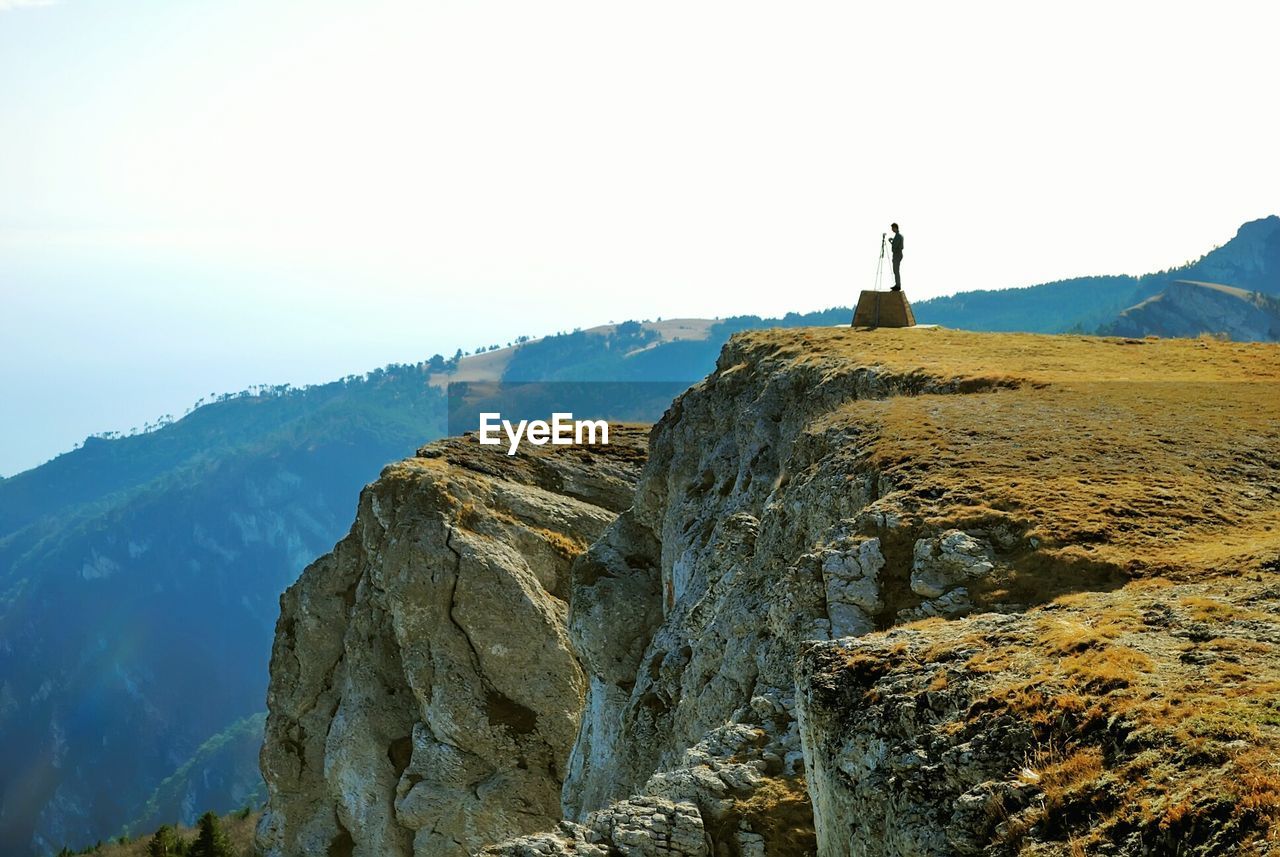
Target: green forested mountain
[
  {"x": 1079, "y": 304},
  {"x": 223, "y": 771},
  {"x": 139, "y": 579}
]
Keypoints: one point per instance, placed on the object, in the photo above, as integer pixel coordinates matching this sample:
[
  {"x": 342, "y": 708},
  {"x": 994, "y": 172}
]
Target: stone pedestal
[{"x": 883, "y": 309}]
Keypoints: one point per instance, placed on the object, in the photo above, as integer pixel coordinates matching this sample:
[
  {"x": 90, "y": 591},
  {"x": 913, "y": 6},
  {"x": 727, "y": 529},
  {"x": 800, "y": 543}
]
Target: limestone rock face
[
  {"x": 1046, "y": 731},
  {"x": 886, "y": 775},
  {"x": 643, "y": 827},
  {"x": 754, "y": 528},
  {"x": 947, "y": 561},
  {"x": 942, "y": 569},
  {"x": 424, "y": 696}
]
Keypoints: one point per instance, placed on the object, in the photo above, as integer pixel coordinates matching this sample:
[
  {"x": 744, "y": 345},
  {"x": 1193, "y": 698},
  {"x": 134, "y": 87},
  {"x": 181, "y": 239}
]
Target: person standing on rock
[{"x": 896, "y": 244}]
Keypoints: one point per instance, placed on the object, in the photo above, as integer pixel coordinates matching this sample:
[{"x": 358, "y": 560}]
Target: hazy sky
[{"x": 198, "y": 196}]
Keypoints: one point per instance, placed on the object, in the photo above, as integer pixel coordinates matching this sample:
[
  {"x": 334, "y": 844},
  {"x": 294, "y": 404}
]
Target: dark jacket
[{"x": 897, "y": 245}]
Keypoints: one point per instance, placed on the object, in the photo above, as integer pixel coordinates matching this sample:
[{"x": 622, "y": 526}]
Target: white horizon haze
[{"x": 199, "y": 197}]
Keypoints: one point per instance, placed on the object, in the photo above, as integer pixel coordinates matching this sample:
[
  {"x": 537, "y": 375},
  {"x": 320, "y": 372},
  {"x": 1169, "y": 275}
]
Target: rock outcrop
[
  {"x": 886, "y": 593},
  {"x": 424, "y": 696},
  {"x": 811, "y": 490}
]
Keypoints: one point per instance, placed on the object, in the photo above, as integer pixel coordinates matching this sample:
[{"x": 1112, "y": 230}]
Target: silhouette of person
[{"x": 896, "y": 243}]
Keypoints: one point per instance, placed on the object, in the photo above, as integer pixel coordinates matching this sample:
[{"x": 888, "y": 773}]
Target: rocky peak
[
  {"x": 1250, "y": 260},
  {"x": 424, "y": 696}
]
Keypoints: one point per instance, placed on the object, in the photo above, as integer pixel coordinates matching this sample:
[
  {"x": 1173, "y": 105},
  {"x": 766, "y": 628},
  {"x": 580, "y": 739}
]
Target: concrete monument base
[{"x": 883, "y": 309}]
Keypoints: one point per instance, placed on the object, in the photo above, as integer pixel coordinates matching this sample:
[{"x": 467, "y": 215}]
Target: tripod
[
  {"x": 879, "y": 278},
  {"x": 884, "y": 243}
]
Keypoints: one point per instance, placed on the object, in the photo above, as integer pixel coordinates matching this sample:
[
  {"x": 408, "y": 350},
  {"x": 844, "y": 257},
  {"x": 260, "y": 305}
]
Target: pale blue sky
[{"x": 199, "y": 196}]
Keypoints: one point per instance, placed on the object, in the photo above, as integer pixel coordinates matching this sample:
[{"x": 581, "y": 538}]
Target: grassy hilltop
[
  {"x": 1133, "y": 485},
  {"x": 1140, "y": 455}
]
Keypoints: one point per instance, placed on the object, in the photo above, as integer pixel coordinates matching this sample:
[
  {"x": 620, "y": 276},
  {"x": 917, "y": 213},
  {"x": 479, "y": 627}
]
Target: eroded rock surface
[
  {"x": 811, "y": 490},
  {"x": 424, "y": 696},
  {"x": 755, "y": 527},
  {"x": 1129, "y": 723}
]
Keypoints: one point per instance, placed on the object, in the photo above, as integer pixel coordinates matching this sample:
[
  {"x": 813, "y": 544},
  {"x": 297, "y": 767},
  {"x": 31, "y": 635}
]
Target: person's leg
[{"x": 897, "y": 276}]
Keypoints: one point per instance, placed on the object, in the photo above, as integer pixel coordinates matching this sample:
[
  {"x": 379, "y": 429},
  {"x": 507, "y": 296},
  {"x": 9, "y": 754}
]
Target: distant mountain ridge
[
  {"x": 1250, "y": 261},
  {"x": 1189, "y": 308}
]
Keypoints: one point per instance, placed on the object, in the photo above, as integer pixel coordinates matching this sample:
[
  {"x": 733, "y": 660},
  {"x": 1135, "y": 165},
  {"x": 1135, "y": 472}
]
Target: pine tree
[
  {"x": 164, "y": 843},
  {"x": 211, "y": 840}
]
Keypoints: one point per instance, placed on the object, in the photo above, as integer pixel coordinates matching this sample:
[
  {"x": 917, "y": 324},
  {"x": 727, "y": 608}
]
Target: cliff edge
[
  {"x": 832, "y": 485},
  {"x": 877, "y": 593}
]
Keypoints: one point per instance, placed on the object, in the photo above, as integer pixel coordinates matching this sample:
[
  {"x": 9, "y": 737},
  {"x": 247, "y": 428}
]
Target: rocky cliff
[
  {"x": 831, "y": 485},
  {"x": 424, "y": 696},
  {"x": 927, "y": 592}
]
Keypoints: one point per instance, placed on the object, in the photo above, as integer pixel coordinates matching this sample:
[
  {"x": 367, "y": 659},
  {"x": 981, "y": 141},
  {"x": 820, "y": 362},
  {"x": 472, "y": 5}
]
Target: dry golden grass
[
  {"x": 1107, "y": 668},
  {"x": 780, "y": 811},
  {"x": 1059, "y": 777},
  {"x": 567, "y": 546},
  {"x": 1128, "y": 457},
  {"x": 1022, "y": 357},
  {"x": 1163, "y": 480},
  {"x": 1141, "y": 725}
]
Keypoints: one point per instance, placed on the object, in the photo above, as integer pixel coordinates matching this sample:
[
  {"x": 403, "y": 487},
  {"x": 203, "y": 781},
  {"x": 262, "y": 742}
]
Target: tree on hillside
[
  {"x": 165, "y": 843},
  {"x": 211, "y": 839}
]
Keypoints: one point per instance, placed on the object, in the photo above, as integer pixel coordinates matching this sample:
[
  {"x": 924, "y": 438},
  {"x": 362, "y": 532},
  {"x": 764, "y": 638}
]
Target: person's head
[{"x": 893, "y": 226}]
